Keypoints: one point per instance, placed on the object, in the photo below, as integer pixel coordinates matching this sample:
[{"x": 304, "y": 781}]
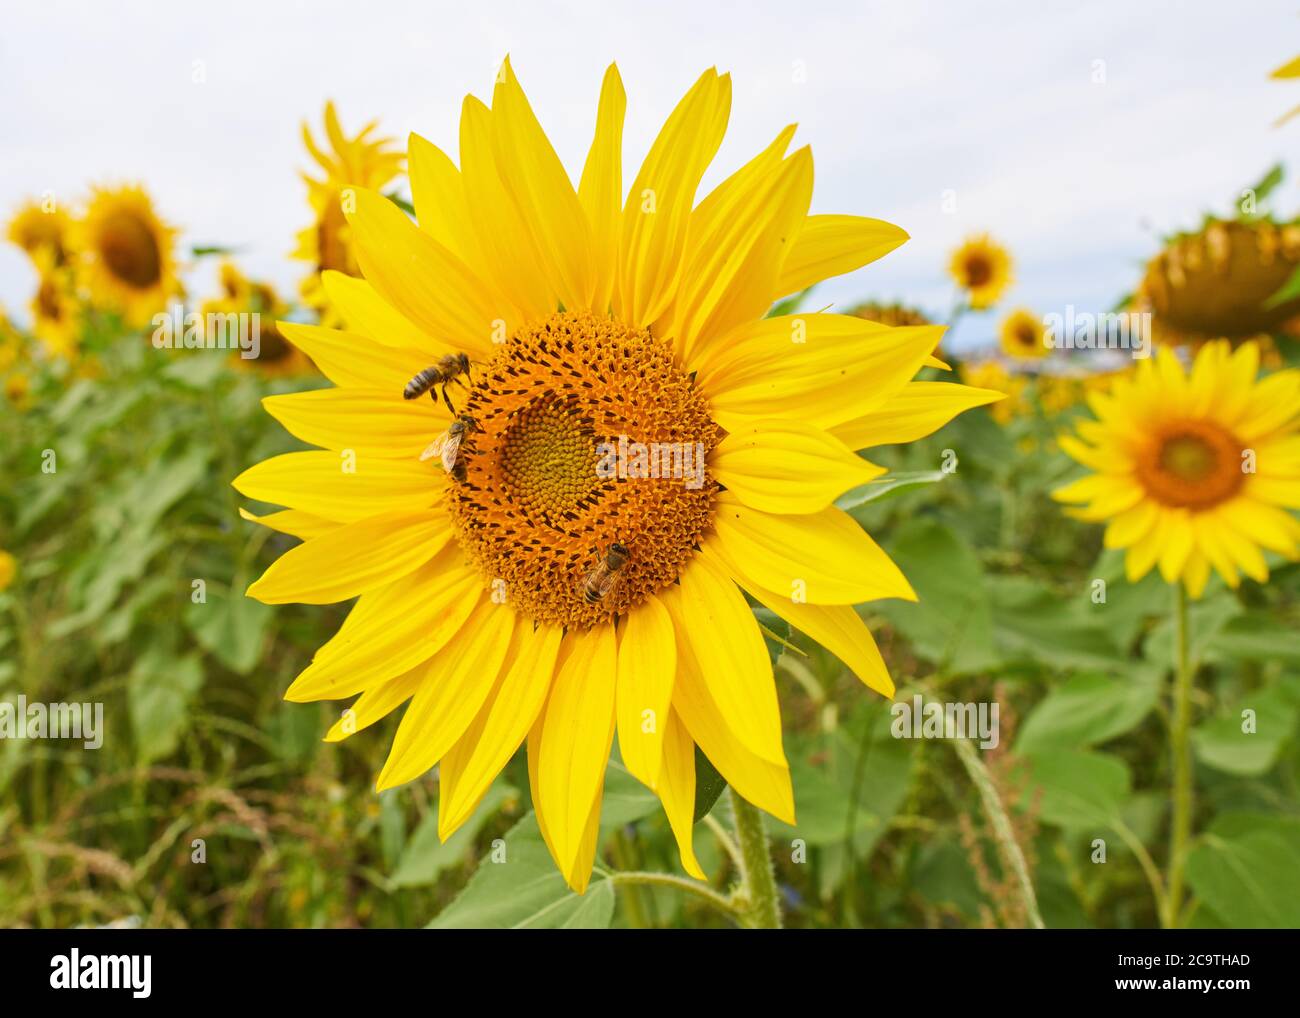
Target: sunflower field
[{"x": 554, "y": 557}]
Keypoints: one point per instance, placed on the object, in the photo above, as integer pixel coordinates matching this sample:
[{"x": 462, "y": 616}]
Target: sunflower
[
  {"x": 130, "y": 263},
  {"x": 890, "y": 314},
  {"x": 982, "y": 268},
  {"x": 633, "y": 417},
  {"x": 1216, "y": 283},
  {"x": 1195, "y": 469},
  {"x": 361, "y": 161},
  {"x": 991, "y": 375},
  {"x": 8, "y": 569},
  {"x": 240, "y": 295},
  {"x": 56, "y": 311},
  {"x": 18, "y": 389},
  {"x": 41, "y": 227},
  {"x": 1022, "y": 335}
]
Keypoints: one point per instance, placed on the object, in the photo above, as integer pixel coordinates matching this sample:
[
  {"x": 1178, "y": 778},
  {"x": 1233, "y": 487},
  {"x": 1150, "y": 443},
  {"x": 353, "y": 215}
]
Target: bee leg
[{"x": 447, "y": 399}]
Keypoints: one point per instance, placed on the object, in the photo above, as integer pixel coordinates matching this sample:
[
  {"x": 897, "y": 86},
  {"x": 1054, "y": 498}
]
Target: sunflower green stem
[
  {"x": 757, "y": 894},
  {"x": 1180, "y": 827}
]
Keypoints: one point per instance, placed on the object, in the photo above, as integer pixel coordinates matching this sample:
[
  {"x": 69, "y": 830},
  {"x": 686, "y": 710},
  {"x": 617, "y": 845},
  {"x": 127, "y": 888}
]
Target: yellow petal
[
  {"x": 439, "y": 200},
  {"x": 292, "y": 521},
  {"x": 354, "y": 361},
  {"x": 393, "y": 629},
  {"x": 453, "y": 689},
  {"x": 764, "y": 783},
  {"x": 601, "y": 187},
  {"x": 374, "y": 422},
  {"x": 422, "y": 279},
  {"x": 820, "y": 558},
  {"x": 353, "y": 559},
  {"x": 547, "y": 202},
  {"x": 825, "y": 370},
  {"x": 369, "y": 315},
  {"x": 658, "y": 209},
  {"x": 832, "y": 245},
  {"x": 647, "y": 660},
  {"x": 787, "y": 467},
  {"x": 500, "y": 727},
  {"x": 339, "y": 486},
  {"x": 577, "y": 732},
  {"x": 677, "y": 791},
  {"x": 916, "y": 410},
  {"x": 376, "y": 703}
]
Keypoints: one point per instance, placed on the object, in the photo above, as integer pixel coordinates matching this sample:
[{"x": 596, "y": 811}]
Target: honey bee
[
  {"x": 601, "y": 580},
  {"x": 447, "y": 370},
  {"x": 447, "y": 445}
]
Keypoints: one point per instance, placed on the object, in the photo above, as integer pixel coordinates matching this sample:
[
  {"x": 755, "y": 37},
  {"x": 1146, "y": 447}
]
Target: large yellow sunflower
[
  {"x": 602, "y": 333},
  {"x": 38, "y": 227},
  {"x": 1193, "y": 470},
  {"x": 982, "y": 268},
  {"x": 360, "y": 161},
  {"x": 130, "y": 261}
]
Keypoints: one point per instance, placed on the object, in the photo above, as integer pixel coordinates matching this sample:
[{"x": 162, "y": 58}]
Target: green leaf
[
  {"x": 625, "y": 800},
  {"x": 1247, "y": 871},
  {"x": 1035, "y": 624},
  {"x": 1088, "y": 709},
  {"x": 1255, "y": 637},
  {"x": 517, "y": 886},
  {"x": 426, "y": 857},
  {"x": 1221, "y": 743},
  {"x": 1268, "y": 183},
  {"x": 1287, "y": 292},
  {"x": 232, "y": 628},
  {"x": 889, "y": 486},
  {"x": 159, "y": 692},
  {"x": 1080, "y": 788},
  {"x": 709, "y": 785},
  {"x": 791, "y": 304}
]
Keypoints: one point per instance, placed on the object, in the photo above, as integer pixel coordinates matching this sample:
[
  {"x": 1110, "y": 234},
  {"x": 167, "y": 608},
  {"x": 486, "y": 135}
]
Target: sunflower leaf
[
  {"x": 709, "y": 785},
  {"x": 888, "y": 487}
]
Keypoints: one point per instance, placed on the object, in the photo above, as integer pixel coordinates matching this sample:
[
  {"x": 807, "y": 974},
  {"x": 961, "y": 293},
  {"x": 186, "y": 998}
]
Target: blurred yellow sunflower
[
  {"x": 982, "y": 268},
  {"x": 128, "y": 252},
  {"x": 1022, "y": 335},
  {"x": 56, "y": 311},
  {"x": 1216, "y": 283},
  {"x": 890, "y": 314},
  {"x": 1193, "y": 470},
  {"x": 642, "y": 447},
  {"x": 276, "y": 356},
  {"x": 41, "y": 226},
  {"x": 361, "y": 161},
  {"x": 18, "y": 387},
  {"x": 991, "y": 375},
  {"x": 8, "y": 569}
]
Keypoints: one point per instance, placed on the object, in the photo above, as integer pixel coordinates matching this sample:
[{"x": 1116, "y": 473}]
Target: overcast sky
[{"x": 901, "y": 101}]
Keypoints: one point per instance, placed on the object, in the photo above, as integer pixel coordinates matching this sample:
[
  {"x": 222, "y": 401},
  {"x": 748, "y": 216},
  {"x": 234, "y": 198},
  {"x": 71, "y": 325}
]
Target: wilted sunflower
[
  {"x": 1022, "y": 335},
  {"x": 362, "y": 161},
  {"x": 40, "y": 227},
  {"x": 1193, "y": 471},
  {"x": 982, "y": 268},
  {"x": 1216, "y": 283},
  {"x": 129, "y": 256},
  {"x": 241, "y": 295},
  {"x": 637, "y": 324}
]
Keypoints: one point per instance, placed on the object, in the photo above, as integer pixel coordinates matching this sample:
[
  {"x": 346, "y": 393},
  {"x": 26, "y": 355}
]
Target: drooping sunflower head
[
  {"x": 129, "y": 254},
  {"x": 359, "y": 161},
  {"x": 1023, "y": 336},
  {"x": 564, "y": 438},
  {"x": 982, "y": 268},
  {"x": 41, "y": 227},
  {"x": 1193, "y": 470},
  {"x": 1216, "y": 282},
  {"x": 241, "y": 296}
]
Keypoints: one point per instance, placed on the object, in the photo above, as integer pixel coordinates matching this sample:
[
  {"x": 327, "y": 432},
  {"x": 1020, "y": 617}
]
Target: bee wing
[
  {"x": 449, "y": 450},
  {"x": 436, "y": 447}
]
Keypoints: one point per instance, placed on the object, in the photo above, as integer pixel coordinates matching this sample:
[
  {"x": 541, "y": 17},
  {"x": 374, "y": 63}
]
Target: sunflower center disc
[
  {"x": 978, "y": 271},
  {"x": 589, "y": 434},
  {"x": 130, "y": 251},
  {"x": 1192, "y": 464}
]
